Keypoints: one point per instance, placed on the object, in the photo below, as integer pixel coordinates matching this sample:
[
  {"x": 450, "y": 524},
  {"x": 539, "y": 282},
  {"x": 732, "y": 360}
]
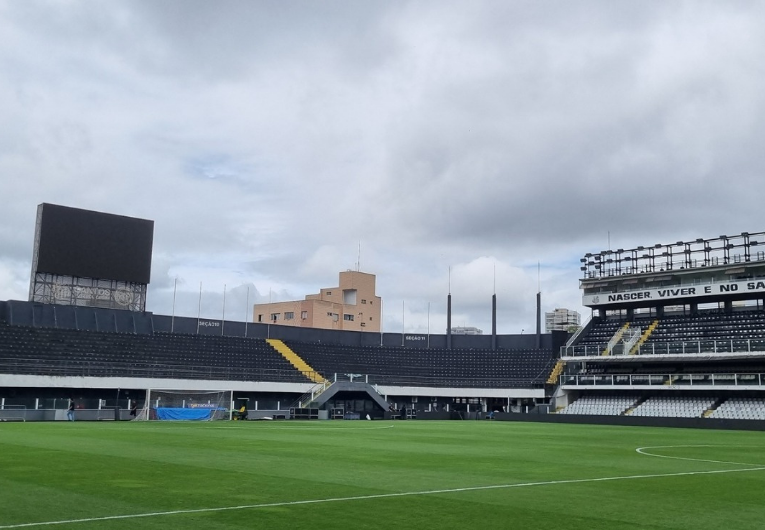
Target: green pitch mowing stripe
[{"x": 377, "y": 475}]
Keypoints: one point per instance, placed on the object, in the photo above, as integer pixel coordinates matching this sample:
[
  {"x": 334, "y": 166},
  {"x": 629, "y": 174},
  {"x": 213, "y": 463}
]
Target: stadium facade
[{"x": 676, "y": 337}]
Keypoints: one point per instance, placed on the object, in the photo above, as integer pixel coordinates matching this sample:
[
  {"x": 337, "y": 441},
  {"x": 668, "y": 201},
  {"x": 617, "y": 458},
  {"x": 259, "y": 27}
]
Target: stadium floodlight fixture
[
  {"x": 744, "y": 233},
  {"x": 583, "y": 260},
  {"x": 699, "y": 240}
]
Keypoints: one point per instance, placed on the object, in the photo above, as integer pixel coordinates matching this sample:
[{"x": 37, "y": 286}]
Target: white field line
[
  {"x": 253, "y": 430},
  {"x": 378, "y": 496},
  {"x": 320, "y": 428},
  {"x": 643, "y": 451}
]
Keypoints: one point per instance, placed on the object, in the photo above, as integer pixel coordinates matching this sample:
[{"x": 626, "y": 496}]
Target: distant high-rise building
[
  {"x": 562, "y": 320},
  {"x": 466, "y": 330}
]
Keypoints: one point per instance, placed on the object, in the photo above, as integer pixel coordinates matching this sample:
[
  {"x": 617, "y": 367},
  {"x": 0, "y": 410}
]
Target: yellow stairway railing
[
  {"x": 616, "y": 338},
  {"x": 556, "y": 371},
  {"x": 295, "y": 360},
  {"x": 644, "y": 337}
]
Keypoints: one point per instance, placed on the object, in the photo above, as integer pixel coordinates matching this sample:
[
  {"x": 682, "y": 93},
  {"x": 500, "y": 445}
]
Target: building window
[
  {"x": 363, "y": 324},
  {"x": 275, "y": 316},
  {"x": 304, "y": 315},
  {"x": 363, "y": 301},
  {"x": 335, "y": 317},
  {"x": 348, "y": 317},
  {"x": 260, "y": 318},
  {"x": 289, "y": 315},
  {"x": 328, "y": 293},
  {"x": 370, "y": 319}
]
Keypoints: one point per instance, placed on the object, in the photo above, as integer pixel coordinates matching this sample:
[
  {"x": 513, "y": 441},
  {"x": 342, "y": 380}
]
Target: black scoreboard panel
[{"x": 90, "y": 244}]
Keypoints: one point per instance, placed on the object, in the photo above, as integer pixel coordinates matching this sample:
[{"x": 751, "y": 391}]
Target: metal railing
[
  {"x": 664, "y": 380},
  {"x": 63, "y": 368},
  {"x": 306, "y": 399},
  {"x": 691, "y": 347},
  {"x": 575, "y": 336},
  {"x": 67, "y": 368}
]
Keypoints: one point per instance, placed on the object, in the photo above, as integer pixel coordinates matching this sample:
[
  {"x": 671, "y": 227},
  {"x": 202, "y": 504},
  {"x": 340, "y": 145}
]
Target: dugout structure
[{"x": 88, "y": 258}]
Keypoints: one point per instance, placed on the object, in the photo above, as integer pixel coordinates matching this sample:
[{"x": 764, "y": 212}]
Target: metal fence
[
  {"x": 664, "y": 380},
  {"x": 690, "y": 347}
]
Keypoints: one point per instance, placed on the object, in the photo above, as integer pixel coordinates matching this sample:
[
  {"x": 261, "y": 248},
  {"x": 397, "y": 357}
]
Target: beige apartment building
[{"x": 352, "y": 306}]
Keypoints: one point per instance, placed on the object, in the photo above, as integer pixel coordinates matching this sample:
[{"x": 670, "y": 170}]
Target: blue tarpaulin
[{"x": 172, "y": 413}]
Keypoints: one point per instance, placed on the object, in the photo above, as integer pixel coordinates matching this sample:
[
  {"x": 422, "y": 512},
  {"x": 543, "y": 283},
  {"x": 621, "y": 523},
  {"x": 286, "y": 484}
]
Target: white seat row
[
  {"x": 741, "y": 409},
  {"x": 599, "y": 406},
  {"x": 673, "y": 407}
]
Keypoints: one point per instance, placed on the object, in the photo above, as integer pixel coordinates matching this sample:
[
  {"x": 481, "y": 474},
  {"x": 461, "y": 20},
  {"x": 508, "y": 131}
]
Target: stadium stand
[
  {"x": 740, "y": 408},
  {"x": 677, "y": 328},
  {"x": 39, "y": 339},
  {"x": 431, "y": 367},
  {"x": 673, "y": 407},
  {"x": 48, "y": 351},
  {"x": 600, "y": 405},
  {"x": 705, "y": 331}
]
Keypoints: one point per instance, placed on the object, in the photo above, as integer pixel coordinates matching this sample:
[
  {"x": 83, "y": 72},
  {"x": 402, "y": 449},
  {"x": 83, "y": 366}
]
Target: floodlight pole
[
  {"x": 199, "y": 309},
  {"x": 223, "y": 315},
  {"x": 172, "y": 319},
  {"x": 246, "y": 311}
]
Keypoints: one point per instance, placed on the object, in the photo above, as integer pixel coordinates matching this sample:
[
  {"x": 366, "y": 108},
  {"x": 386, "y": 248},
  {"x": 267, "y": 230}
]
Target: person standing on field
[{"x": 70, "y": 410}]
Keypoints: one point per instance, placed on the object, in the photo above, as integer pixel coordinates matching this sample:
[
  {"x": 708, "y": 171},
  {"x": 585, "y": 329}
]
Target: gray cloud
[{"x": 267, "y": 141}]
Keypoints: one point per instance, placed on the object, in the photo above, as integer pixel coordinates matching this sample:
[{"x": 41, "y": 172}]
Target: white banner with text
[{"x": 674, "y": 293}]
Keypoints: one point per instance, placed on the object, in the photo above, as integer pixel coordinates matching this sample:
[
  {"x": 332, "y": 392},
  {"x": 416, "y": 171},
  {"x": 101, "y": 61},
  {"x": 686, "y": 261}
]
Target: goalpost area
[{"x": 180, "y": 405}]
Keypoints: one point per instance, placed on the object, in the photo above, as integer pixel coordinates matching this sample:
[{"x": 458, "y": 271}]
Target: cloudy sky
[{"x": 270, "y": 141}]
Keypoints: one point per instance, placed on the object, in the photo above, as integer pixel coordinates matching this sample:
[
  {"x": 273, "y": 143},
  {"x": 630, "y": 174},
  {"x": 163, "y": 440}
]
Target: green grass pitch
[{"x": 360, "y": 474}]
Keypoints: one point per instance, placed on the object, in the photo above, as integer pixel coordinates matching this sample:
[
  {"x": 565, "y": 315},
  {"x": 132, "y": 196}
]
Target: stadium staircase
[
  {"x": 635, "y": 405},
  {"x": 644, "y": 337},
  {"x": 711, "y": 410},
  {"x": 615, "y": 339},
  {"x": 296, "y": 361},
  {"x": 309, "y": 397},
  {"x": 556, "y": 371}
]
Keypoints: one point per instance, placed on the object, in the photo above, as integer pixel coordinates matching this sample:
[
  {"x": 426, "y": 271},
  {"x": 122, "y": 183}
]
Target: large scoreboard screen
[{"x": 89, "y": 244}]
